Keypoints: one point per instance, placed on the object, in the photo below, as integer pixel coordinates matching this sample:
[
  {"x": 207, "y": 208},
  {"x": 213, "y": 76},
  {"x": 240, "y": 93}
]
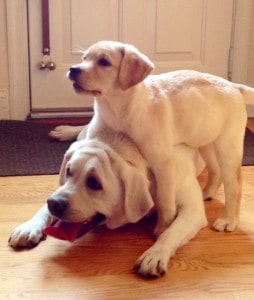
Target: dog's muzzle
[
  {"x": 74, "y": 72},
  {"x": 57, "y": 206}
]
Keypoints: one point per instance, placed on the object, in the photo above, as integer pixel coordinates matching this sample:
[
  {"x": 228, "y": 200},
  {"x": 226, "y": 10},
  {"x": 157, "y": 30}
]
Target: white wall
[
  {"x": 250, "y": 73},
  {"x": 4, "y": 82},
  {"x": 250, "y": 76}
]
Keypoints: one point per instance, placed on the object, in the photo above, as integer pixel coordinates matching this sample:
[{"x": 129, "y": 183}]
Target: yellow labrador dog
[
  {"x": 89, "y": 171},
  {"x": 160, "y": 111}
]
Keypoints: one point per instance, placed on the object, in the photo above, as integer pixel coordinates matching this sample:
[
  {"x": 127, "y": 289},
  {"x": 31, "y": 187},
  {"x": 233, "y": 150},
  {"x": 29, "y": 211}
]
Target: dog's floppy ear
[
  {"x": 67, "y": 156},
  {"x": 134, "y": 67},
  {"x": 62, "y": 174},
  {"x": 137, "y": 199}
]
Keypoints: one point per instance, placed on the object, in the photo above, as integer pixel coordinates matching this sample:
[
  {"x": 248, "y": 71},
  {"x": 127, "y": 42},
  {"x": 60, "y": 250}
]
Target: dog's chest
[
  {"x": 117, "y": 120},
  {"x": 114, "y": 122}
]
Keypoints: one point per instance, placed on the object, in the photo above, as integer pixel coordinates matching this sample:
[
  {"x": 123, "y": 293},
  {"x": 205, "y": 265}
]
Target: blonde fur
[
  {"x": 127, "y": 195},
  {"x": 160, "y": 111}
]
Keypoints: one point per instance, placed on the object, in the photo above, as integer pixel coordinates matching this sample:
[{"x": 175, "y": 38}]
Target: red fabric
[
  {"x": 72, "y": 231},
  {"x": 64, "y": 231}
]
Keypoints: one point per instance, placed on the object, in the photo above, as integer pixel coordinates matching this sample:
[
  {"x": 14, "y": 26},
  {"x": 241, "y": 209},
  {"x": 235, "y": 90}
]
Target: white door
[{"x": 175, "y": 34}]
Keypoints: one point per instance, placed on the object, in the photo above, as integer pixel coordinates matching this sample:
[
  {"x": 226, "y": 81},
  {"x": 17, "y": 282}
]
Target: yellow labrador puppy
[
  {"x": 160, "y": 111},
  {"x": 89, "y": 171}
]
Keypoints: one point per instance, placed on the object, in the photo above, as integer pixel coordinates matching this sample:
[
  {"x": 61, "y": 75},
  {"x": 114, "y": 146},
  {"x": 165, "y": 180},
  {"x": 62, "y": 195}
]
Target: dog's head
[
  {"x": 108, "y": 66},
  {"x": 95, "y": 179}
]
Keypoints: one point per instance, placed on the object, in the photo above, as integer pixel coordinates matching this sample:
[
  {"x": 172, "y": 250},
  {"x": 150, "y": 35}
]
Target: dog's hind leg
[
  {"x": 229, "y": 155},
  {"x": 214, "y": 176}
]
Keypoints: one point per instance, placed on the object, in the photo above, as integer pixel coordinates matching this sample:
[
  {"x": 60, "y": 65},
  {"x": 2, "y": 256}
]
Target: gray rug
[
  {"x": 248, "y": 157},
  {"x": 26, "y": 150}
]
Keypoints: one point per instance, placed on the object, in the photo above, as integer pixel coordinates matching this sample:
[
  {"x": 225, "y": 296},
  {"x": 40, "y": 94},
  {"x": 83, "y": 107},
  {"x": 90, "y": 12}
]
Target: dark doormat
[
  {"x": 26, "y": 150},
  {"x": 248, "y": 157}
]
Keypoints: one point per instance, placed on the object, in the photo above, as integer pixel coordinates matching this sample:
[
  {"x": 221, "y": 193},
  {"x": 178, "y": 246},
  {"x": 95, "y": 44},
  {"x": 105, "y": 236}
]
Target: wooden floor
[{"x": 99, "y": 266}]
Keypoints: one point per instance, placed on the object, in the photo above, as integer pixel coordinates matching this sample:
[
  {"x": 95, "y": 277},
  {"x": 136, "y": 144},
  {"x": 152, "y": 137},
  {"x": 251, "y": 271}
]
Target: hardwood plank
[{"x": 99, "y": 266}]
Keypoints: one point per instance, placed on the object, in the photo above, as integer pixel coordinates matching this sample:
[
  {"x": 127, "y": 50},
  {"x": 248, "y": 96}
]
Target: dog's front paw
[
  {"x": 27, "y": 235},
  {"x": 225, "y": 224},
  {"x": 152, "y": 264}
]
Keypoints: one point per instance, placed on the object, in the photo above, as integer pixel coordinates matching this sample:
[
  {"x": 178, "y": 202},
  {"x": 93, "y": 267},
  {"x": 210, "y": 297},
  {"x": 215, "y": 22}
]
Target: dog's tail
[{"x": 247, "y": 92}]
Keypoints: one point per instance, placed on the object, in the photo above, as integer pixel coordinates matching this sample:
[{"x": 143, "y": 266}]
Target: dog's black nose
[
  {"x": 57, "y": 206},
  {"x": 74, "y": 72}
]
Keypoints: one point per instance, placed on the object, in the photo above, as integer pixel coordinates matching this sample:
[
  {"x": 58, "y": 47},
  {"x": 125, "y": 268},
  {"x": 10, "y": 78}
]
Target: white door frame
[{"x": 18, "y": 60}]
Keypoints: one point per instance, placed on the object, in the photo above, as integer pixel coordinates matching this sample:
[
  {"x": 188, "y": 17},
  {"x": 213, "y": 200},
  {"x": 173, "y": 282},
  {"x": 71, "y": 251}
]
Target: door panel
[
  {"x": 188, "y": 22},
  {"x": 93, "y": 20},
  {"x": 175, "y": 34}
]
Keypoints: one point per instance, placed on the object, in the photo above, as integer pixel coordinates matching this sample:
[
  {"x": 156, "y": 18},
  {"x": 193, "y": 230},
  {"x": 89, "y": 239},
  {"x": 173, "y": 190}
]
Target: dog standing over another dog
[
  {"x": 167, "y": 116},
  {"x": 160, "y": 111}
]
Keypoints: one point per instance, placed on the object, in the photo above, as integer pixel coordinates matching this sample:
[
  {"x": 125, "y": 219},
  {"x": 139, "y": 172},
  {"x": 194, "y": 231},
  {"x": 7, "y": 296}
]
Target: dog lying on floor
[
  {"x": 92, "y": 167},
  {"x": 160, "y": 111}
]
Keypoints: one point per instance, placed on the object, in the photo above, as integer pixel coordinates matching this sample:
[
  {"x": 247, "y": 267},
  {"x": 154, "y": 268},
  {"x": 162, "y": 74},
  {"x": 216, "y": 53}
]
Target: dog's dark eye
[
  {"x": 68, "y": 172},
  {"x": 103, "y": 62},
  {"x": 93, "y": 184}
]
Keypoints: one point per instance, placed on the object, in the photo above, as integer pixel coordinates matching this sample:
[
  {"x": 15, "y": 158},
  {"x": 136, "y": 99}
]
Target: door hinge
[{"x": 230, "y": 63}]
